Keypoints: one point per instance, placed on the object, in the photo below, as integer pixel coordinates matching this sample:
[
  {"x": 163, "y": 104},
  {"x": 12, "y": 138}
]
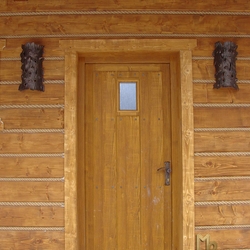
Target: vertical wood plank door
[{"x": 127, "y": 204}]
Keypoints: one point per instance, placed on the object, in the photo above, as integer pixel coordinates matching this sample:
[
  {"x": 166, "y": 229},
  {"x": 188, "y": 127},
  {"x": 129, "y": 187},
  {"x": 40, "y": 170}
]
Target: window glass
[{"x": 128, "y": 96}]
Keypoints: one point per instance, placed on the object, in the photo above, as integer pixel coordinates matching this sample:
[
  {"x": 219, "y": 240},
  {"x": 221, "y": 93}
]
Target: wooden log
[
  {"x": 32, "y": 191},
  {"x": 152, "y": 24},
  {"x": 204, "y": 69},
  {"x": 205, "y": 93},
  {"x": 222, "y": 117},
  {"x": 31, "y": 167},
  {"x": 33, "y": 118},
  {"x": 227, "y": 238},
  {"x": 11, "y": 70},
  {"x": 221, "y": 141},
  {"x": 222, "y": 215},
  {"x": 205, "y": 45},
  {"x": 23, "y": 240},
  {"x": 31, "y": 216},
  {"x": 213, "y": 5},
  {"x": 221, "y": 166},
  {"x": 13, "y": 48},
  {"x": 53, "y": 94},
  {"x": 222, "y": 190},
  {"x": 31, "y": 143}
]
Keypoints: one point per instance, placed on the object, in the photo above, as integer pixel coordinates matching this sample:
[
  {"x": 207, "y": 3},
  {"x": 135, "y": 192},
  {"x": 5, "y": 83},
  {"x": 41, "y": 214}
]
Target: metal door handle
[{"x": 167, "y": 169}]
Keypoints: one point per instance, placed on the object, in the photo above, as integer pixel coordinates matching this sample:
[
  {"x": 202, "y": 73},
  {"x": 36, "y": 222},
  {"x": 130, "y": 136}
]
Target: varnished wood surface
[
  {"x": 221, "y": 166},
  {"x": 31, "y": 143},
  {"x": 221, "y": 141},
  {"x": 218, "y": 190},
  {"x": 32, "y": 216},
  {"x": 31, "y": 167},
  {"x": 217, "y": 26},
  {"x": 32, "y": 191},
  {"x": 11, "y": 70},
  {"x": 222, "y": 215},
  {"x": 53, "y": 94},
  {"x": 228, "y": 238},
  {"x": 11, "y": 5},
  {"x": 24, "y": 240},
  {"x": 152, "y": 24},
  {"x": 33, "y": 118}
]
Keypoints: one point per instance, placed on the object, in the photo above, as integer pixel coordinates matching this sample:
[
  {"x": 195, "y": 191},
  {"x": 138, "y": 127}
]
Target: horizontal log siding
[{"x": 47, "y": 30}]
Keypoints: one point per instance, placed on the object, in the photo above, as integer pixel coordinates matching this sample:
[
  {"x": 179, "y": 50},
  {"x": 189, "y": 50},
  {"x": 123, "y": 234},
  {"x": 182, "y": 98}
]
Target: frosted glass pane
[{"x": 128, "y": 96}]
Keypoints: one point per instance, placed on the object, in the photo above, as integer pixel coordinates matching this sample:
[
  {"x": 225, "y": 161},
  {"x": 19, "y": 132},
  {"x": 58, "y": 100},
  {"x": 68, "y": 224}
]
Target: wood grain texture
[
  {"x": 31, "y": 167},
  {"x": 70, "y": 149},
  {"x": 46, "y": 118},
  {"x": 11, "y": 70},
  {"x": 53, "y": 94},
  {"x": 31, "y": 143},
  {"x": 187, "y": 148},
  {"x": 13, "y": 47},
  {"x": 222, "y": 215},
  {"x": 12, "y": 5},
  {"x": 32, "y": 240},
  {"x": 221, "y": 117},
  {"x": 2, "y": 44},
  {"x": 204, "y": 69},
  {"x": 205, "y": 93},
  {"x": 31, "y": 216},
  {"x": 221, "y": 141},
  {"x": 221, "y": 166},
  {"x": 221, "y": 190},
  {"x": 228, "y": 238},
  {"x": 32, "y": 191},
  {"x": 152, "y": 24}
]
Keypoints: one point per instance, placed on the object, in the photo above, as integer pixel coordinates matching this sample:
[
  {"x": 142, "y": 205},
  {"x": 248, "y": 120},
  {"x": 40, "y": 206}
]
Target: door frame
[{"x": 177, "y": 52}]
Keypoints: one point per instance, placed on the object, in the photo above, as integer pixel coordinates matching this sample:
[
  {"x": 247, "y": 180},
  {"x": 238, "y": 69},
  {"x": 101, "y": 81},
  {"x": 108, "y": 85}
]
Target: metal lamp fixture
[
  {"x": 32, "y": 69},
  {"x": 225, "y": 65}
]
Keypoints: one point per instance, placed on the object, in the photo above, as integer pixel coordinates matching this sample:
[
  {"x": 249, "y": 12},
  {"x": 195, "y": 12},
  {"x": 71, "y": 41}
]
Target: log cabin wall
[{"x": 32, "y": 122}]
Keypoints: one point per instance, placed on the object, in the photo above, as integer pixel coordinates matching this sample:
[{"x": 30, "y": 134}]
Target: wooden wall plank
[
  {"x": 31, "y": 167},
  {"x": 228, "y": 238},
  {"x": 31, "y": 143},
  {"x": 221, "y": 117},
  {"x": 155, "y": 24},
  {"x": 13, "y": 47},
  {"x": 23, "y": 240},
  {"x": 236, "y": 5},
  {"x": 221, "y": 141},
  {"x": 11, "y": 70},
  {"x": 205, "y": 45},
  {"x": 222, "y": 215},
  {"x": 221, "y": 166},
  {"x": 33, "y": 118},
  {"x": 204, "y": 69},
  {"x": 31, "y": 191},
  {"x": 205, "y": 93},
  {"x": 222, "y": 190},
  {"x": 31, "y": 216},
  {"x": 53, "y": 94}
]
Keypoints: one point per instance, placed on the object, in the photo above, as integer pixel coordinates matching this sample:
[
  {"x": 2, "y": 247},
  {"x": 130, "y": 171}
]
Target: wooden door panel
[{"x": 127, "y": 204}]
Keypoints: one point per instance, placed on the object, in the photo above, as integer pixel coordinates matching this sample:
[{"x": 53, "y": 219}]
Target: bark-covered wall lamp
[
  {"x": 32, "y": 68},
  {"x": 225, "y": 65}
]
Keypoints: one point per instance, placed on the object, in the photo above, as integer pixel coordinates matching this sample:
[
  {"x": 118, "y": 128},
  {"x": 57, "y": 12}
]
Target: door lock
[{"x": 167, "y": 169}]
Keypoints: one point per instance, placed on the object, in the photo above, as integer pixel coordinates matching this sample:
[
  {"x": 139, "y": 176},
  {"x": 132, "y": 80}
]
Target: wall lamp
[
  {"x": 32, "y": 69},
  {"x": 225, "y": 65}
]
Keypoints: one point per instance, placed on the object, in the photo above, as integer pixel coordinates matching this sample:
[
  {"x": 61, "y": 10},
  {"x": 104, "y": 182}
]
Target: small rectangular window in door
[{"x": 128, "y": 96}]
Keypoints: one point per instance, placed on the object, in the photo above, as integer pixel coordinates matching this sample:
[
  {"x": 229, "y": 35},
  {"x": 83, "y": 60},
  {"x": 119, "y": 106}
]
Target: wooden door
[{"x": 127, "y": 203}]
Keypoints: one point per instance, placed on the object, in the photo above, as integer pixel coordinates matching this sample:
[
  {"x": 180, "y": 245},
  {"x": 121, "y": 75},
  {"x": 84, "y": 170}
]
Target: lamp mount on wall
[
  {"x": 225, "y": 65},
  {"x": 32, "y": 69}
]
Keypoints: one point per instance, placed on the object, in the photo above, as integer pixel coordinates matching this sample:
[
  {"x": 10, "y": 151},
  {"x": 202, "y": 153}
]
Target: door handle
[{"x": 167, "y": 169}]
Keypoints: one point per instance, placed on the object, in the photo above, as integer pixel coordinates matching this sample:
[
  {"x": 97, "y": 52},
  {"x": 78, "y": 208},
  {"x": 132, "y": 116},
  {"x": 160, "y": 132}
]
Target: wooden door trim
[{"x": 178, "y": 53}]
